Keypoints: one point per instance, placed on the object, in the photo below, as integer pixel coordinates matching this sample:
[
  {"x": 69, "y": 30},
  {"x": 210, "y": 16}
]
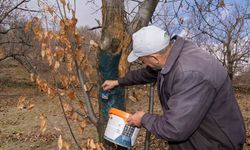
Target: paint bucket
[{"x": 118, "y": 131}]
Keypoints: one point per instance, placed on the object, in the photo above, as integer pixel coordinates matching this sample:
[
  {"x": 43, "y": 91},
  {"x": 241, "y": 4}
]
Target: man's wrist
[{"x": 116, "y": 82}]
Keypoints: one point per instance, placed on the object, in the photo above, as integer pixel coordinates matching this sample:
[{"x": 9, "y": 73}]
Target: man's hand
[
  {"x": 109, "y": 84},
  {"x": 135, "y": 119}
]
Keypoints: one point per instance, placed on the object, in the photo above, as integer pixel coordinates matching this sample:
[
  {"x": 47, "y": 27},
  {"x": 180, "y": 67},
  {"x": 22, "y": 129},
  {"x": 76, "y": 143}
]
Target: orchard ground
[{"x": 20, "y": 129}]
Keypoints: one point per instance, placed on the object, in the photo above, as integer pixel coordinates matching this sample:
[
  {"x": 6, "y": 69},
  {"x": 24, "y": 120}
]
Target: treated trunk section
[{"x": 113, "y": 31}]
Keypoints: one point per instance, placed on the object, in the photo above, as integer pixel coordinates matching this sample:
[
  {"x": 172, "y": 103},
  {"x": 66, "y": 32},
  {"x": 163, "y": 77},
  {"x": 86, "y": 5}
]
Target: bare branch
[
  {"x": 29, "y": 10},
  {"x": 94, "y": 28}
]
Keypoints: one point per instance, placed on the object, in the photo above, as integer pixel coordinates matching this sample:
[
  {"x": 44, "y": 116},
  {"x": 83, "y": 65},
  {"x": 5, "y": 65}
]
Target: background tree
[
  {"x": 14, "y": 42},
  {"x": 227, "y": 31},
  {"x": 222, "y": 28}
]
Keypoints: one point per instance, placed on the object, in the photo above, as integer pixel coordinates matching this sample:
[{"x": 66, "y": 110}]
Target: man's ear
[{"x": 156, "y": 57}]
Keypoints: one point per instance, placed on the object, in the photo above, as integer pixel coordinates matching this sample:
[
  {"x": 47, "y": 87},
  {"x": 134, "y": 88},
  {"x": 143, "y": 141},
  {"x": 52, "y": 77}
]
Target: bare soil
[{"x": 20, "y": 129}]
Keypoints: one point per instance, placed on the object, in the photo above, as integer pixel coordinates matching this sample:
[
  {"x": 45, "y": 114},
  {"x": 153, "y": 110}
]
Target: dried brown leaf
[
  {"x": 38, "y": 32},
  {"x": 44, "y": 87},
  {"x": 28, "y": 26},
  {"x": 60, "y": 142},
  {"x": 71, "y": 95},
  {"x": 85, "y": 88},
  {"x": 73, "y": 22},
  {"x": 79, "y": 56},
  {"x": 20, "y": 103},
  {"x": 78, "y": 39},
  {"x": 58, "y": 129},
  {"x": 84, "y": 146},
  {"x": 80, "y": 130},
  {"x": 93, "y": 43},
  {"x": 32, "y": 77},
  {"x": 91, "y": 144},
  {"x": 42, "y": 53},
  {"x": 43, "y": 123},
  {"x": 65, "y": 81},
  {"x": 69, "y": 62},
  {"x": 49, "y": 56},
  {"x": 51, "y": 92},
  {"x": 132, "y": 98},
  {"x": 74, "y": 80},
  {"x": 62, "y": 24},
  {"x": 50, "y": 10},
  {"x": 67, "y": 108},
  {"x": 66, "y": 145},
  {"x": 99, "y": 146},
  {"x": 222, "y": 3},
  {"x": 56, "y": 65},
  {"x": 59, "y": 53},
  {"x": 83, "y": 124},
  {"x": 93, "y": 93},
  {"x": 74, "y": 116},
  {"x": 63, "y": 2},
  {"x": 30, "y": 105}
]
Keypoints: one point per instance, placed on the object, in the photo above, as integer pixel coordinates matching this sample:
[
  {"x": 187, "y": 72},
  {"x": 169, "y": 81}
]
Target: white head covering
[{"x": 148, "y": 40}]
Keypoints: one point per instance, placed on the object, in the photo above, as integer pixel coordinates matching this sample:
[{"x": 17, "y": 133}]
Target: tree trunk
[
  {"x": 229, "y": 61},
  {"x": 113, "y": 31},
  {"x": 114, "y": 48}
]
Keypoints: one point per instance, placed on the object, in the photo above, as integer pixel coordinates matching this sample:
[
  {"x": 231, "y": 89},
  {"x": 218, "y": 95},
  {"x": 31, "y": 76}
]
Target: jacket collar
[{"x": 174, "y": 54}]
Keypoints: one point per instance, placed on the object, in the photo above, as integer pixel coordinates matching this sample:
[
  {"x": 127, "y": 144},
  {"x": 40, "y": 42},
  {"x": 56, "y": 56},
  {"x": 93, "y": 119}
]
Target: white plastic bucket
[{"x": 118, "y": 131}]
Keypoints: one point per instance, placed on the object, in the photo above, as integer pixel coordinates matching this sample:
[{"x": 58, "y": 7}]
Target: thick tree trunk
[
  {"x": 113, "y": 30},
  {"x": 114, "y": 48},
  {"x": 115, "y": 45}
]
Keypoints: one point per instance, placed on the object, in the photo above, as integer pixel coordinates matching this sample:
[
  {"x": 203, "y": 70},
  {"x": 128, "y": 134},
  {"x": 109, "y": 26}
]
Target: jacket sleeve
[
  {"x": 188, "y": 104},
  {"x": 140, "y": 76}
]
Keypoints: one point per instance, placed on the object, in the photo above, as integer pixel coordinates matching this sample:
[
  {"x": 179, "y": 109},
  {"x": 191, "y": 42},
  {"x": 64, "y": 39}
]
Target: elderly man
[{"x": 200, "y": 111}]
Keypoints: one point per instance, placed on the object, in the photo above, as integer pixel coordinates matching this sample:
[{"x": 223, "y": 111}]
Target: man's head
[{"x": 148, "y": 45}]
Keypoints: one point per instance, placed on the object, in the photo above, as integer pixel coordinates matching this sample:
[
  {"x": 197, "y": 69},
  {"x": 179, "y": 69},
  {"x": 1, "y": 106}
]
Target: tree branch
[
  {"x": 29, "y": 10},
  {"x": 5, "y": 32},
  {"x": 94, "y": 28},
  {"x": 16, "y": 42},
  {"x": 143, "y": 16}
]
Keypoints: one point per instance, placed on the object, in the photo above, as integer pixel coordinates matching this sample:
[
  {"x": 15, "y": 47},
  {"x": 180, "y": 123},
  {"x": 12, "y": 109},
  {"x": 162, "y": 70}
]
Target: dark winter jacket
[{"x": 200, "y": 111}]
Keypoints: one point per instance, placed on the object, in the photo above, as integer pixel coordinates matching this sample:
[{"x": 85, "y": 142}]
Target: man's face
[{"x": 150, "y": 61}]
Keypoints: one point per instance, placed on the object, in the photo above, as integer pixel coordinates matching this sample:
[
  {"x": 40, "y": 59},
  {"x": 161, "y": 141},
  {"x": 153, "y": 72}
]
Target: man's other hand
[
  {"x": 135, "y": 119},
  {"x": 109, "y": 84}
]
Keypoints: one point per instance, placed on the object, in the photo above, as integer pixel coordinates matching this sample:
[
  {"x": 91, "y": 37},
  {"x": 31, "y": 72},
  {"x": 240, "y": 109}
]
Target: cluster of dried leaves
[
  {"x": 23, "y": 104},
  {"x": 64, "y": 53},
  {"x": 89, "y": 145}
]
